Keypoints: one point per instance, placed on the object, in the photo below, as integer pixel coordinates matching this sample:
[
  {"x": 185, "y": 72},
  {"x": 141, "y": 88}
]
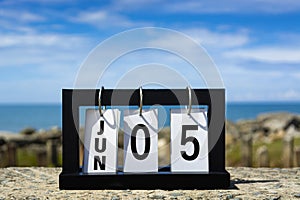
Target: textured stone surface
[{"x": 246, "y": 183}]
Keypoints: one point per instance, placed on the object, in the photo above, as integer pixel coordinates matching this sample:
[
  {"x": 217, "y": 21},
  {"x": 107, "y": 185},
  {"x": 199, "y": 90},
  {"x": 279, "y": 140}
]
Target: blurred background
[{"x": 255, "y": 46}]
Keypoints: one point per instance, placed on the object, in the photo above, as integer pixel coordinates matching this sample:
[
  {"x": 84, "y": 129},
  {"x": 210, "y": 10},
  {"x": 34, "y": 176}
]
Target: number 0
[
  {"x": 147, "y": 142},
  {"x": 185, "y": 140}
]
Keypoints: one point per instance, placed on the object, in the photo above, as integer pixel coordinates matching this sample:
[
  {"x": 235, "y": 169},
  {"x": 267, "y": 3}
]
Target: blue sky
[{"x": 255, "y": 44}]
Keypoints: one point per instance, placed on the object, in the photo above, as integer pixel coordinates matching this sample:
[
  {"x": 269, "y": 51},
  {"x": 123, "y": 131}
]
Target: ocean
[{"x": 14, "y": 118}]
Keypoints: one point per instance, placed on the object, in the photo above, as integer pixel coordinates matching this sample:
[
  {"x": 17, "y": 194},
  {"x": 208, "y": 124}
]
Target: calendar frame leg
[{"x": 166, "y": 181}]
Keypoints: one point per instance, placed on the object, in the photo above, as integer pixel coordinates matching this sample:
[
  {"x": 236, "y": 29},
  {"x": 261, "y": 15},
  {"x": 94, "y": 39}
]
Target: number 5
[{"x": 185, "y": 140}]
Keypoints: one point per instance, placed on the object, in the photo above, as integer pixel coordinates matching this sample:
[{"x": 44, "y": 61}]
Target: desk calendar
[{"x": 197, "y": 140}]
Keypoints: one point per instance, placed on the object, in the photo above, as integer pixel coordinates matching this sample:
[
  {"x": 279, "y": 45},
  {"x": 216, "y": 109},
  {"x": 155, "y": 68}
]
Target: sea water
[{"x": 44, "y": 116}]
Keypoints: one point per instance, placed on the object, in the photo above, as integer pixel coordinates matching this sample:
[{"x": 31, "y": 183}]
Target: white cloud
[
  {"x": 42, "y": 50},
  {"x": 48, "y": 1},
  {"x": 46, "y": 40},
  {"x": 54, "y": 58},
  {"x": 37, "y": 2},
  {"x": 234, "y": 6},
  {"x": 39, "y": 65},
  {"x": 245, "y": 82},
  {"x": 21, "y": 16},
  {"x": 296, "y": 75},
  {"x": 151, "y": 66},
  {"x": 211, "y": 6},
  {"x": 218, "y": 39},
  {"x": 33, "y": 90},
  {"x": 19, "y": 21},
  {"x": 290, "y": 94},
  {"x": 266, "y": 54},
  {"x": 135, "y": 4},
  {"x": 12, "y": 27},
  {"x": 104, "y": 19}
]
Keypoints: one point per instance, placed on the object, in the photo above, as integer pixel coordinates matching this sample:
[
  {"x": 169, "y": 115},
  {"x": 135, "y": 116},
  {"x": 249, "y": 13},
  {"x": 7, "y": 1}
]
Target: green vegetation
[
  {"x": 26, "y": 158},
  {"x": 233, "y": 152},
  {"x": 233, "y": 155}
]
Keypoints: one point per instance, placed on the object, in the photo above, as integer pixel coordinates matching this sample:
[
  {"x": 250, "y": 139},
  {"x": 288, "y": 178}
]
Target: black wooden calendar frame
[{"x": 72, "y": 177}]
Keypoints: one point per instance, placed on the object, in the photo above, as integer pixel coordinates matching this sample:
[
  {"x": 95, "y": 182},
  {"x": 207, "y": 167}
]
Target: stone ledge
[{"x": 246, "y": 183}]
